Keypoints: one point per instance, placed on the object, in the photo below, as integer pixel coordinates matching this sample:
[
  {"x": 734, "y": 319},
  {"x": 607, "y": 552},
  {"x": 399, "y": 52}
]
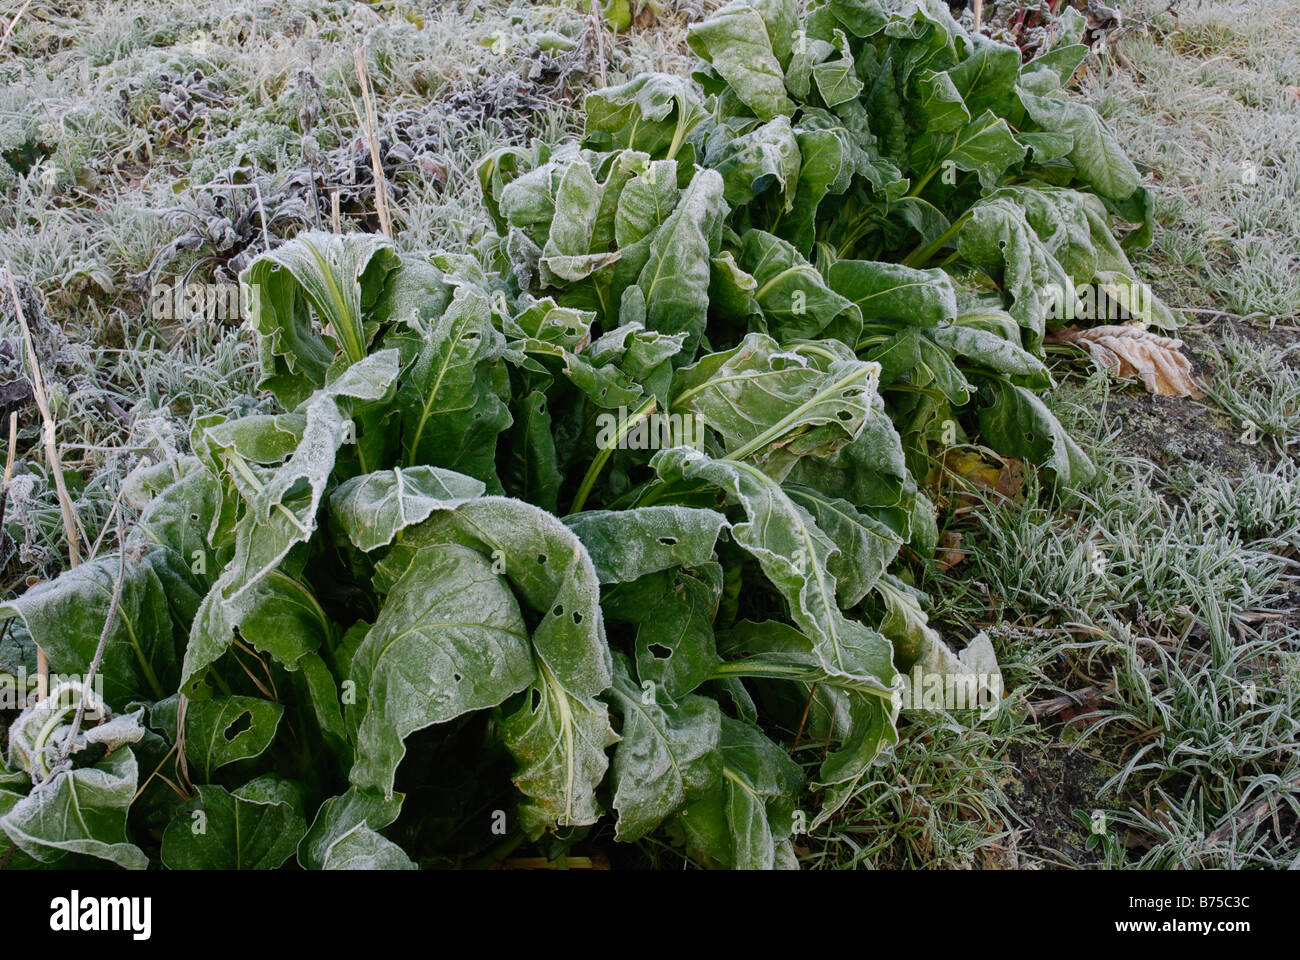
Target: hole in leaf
[
  {"x": 577, "y": 617},
  {"x": 668, "y": 541},
  {"x": 558, "y": 611},
  {"x": 238, "y": 725},
  {"x": 541, "y": 558},
  {"x": 194, "y": 517},
  {"x": 536, "y": 700},
  {"x": 844, "y": 415},
  {"x": 659, "y": 651},
  {"x": 456, "y": 677}
]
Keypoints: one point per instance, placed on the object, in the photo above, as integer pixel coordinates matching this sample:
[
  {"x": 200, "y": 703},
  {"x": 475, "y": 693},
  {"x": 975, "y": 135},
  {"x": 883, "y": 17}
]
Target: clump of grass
[
  {"x": 1220, "y": 170},
  {"x": 1170, "y": 601},
  {"x": 936, "y": 802},
  {"x": 1257, "y": 386}
]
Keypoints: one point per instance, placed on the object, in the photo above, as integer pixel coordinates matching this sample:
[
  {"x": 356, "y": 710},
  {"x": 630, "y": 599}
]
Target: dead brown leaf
[
  {"x": 1011, "y": 477},
  {"x": 950, "y": 552},
  {"x": 1129, "y": 350}
]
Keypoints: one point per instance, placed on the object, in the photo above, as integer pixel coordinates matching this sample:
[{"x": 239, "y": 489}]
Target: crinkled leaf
[
  {"x": 653, "y": 112},
  {"x": 998, "y": 237},
  {"x": 336, "y": 277},
  {"x": 793, "y": 553},
  {"x": 912, "y": 356},
  {"x": 627, "y": 544},
  {"x": 735, "y": 41},
  {"x": 985, "y": 146},
  {"x": 345, "y": 835},
  {"x": 674, "y": 281},
  {"x": 866, "y": 545},
  {"x": 574, "y": 246},
  {"x": 451, "y": 410},
  {"x": 863, "y": 713},
  {"x": 282, "y": 513},
  {"x": 668, "y": 754},
  {"x": 751, "y": 163},
  {"x": 742, "y": 825},
  {"x": 375, "y": 507},
  {"x": 939, "y": 104},
  {"x": 776, "y": 403},
  {"x": 823, "y": 164},
  {"x": 837, "y": 80},
  {"x": 869, "y": 471},
  {"x": 993, "y": 352},
  {"x": 986, "y": 78},
  {"x": 81, "y": 811},
  {"x": 795, "y": 299},
  {"x": 1097, "y": 155}
]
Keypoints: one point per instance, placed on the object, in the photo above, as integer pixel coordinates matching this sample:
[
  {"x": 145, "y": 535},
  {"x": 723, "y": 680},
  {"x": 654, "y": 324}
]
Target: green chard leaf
[
  {"x": 257, "y": 827},
  {"x": 668, "y": 755},
  {"x": 867, "y": 546},
  {"x": 450, "y": 639},
  {"x": 674, "y": 282},
  {"x": 345, "y": 835},
  {"x": 281, "y": 513},
  {"x": 627, "y": 544},
  {"x": 222, "y": 730},
  {"x": 339, "y": 278},
  {"x": 775, "y": 403},
  {"x": 673, "y": 613},
  {"x": 998, "y": 236},
  {"x": 891, "y": 290},
  {"x": 793, "y": 553},
  {"x": 744, "y": 825},
  {"x": 736, "y": 42},
  {"x": 376, "y": 507},
  {"x": 749, "y": 164},
  {"x": 560, "y": 731},
  {"x": 1097, "y": 155},
  {"x": 795, "y": 299},
  {"x": 66, "y": 616},
  {"x": 450, "y": 407},
  {"x": 654, "y": 113},
  {"x": 1017, "y": 423},
  {"x": 79, "y": 812}
]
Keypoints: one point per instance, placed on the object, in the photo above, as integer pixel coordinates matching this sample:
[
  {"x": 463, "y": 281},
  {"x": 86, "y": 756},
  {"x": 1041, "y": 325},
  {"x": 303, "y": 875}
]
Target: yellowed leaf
[
  {"x": 972, "y": 467},
  {"x": 969, "y": 467}
]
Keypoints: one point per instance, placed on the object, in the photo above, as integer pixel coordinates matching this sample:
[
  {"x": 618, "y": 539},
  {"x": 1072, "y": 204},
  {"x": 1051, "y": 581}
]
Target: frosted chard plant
[{"x": 440, "y": 604}]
